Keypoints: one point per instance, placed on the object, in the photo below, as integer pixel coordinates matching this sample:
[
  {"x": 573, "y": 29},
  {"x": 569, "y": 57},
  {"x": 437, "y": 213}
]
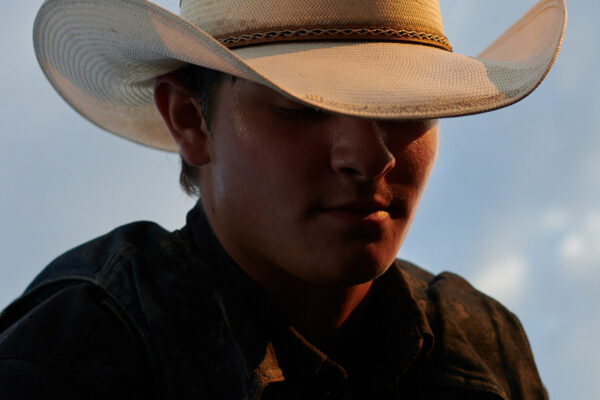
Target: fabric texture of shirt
[{"x": 145, "y": 313}]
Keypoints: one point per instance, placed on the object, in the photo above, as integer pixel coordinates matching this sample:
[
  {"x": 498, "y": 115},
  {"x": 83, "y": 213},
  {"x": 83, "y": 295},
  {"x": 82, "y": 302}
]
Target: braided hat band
[
  {"x": 336, "y": 33},
  {"x": 382, "y": 59},
  {"x": 248, "y": 22}
]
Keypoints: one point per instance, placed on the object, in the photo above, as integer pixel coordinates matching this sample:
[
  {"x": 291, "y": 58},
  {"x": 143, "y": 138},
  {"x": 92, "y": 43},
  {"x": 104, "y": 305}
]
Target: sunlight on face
[{"x": 325, "y": 198}]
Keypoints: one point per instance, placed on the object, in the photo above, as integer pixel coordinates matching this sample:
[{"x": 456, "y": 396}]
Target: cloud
[
  {"x": 580, "y": 246},
  {"x": 555, "y": 219},
  {"x": 504, "y": 279}
]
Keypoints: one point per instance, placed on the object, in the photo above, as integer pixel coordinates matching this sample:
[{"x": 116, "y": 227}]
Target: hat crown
[{"x": 222, "y": 18}]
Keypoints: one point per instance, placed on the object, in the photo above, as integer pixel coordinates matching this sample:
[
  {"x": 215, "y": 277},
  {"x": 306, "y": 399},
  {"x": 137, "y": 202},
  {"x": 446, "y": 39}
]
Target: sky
[{"x": 512, "y": 205}]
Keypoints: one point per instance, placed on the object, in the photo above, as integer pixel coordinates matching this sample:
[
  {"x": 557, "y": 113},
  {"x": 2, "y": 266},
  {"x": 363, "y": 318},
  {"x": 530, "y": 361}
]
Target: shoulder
[
  {"x": 477, "y": 339},
  {"x": 68, "y": 341},
  {"x": 129, "y": 262},
  {"x": 95, "y": 313},
  {"x": 129, "y": 242},
  {"x": 449, "y": 298},
  {"x": 81, "y": 318}
]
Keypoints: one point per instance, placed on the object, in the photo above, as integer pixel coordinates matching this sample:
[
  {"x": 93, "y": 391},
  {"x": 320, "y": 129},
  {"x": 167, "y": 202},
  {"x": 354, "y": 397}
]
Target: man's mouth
[{"x": 372, "y": 210}]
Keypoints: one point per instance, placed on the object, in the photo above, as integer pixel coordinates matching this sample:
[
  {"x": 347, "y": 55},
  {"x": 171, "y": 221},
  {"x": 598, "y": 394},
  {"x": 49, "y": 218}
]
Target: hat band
[{"x": 336, "y": 33}]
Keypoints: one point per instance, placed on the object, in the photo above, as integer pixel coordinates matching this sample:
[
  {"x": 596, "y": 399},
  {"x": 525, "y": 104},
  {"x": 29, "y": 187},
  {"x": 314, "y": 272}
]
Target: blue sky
[{"x": 512, "y": 205}]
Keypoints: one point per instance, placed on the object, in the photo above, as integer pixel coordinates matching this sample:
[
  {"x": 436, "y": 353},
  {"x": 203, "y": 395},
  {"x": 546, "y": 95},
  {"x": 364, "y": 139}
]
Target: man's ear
[{"x": 183, "y": 117}]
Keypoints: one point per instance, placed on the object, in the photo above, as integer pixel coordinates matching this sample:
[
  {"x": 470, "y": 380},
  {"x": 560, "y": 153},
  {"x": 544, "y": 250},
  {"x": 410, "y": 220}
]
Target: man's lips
[
  {"x": 375, "y": 216},
  {"x": 366, "y": 210}
]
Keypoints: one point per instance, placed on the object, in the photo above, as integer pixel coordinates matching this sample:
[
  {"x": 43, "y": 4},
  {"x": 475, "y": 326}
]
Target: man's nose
[{"x": 359, "y": 150}]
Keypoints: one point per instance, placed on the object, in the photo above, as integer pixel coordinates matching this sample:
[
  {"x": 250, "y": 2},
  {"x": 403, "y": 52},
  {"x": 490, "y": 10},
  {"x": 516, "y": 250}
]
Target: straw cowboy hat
[{"x": 386, "y": 59}]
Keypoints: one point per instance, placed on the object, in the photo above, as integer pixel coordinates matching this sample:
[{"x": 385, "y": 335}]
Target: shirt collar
[{"x": 397, "y": 329}]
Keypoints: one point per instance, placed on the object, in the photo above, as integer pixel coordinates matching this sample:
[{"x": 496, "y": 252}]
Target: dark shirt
[{"x": 144, "y": 313}]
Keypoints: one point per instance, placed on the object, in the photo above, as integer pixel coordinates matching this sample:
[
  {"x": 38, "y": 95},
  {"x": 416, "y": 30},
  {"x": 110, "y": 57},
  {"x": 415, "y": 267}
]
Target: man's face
[{"x": 324, "y": 198}]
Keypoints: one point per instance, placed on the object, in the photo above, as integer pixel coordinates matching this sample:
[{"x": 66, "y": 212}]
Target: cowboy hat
[{"x": 384, "y": 59}]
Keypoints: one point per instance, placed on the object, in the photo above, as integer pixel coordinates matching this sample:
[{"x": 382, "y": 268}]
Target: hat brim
[{"x": 103, "y": 58}]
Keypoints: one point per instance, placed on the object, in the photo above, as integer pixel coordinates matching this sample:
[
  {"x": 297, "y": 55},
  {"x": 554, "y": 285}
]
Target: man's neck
[
  {"x": 316, "y": 311},
  {"x": 321, "y": 312}
]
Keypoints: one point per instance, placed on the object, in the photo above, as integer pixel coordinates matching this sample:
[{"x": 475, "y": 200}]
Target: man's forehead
[
  {"x": 243, "y": 86},
  {"x": 247, "y": 89}
]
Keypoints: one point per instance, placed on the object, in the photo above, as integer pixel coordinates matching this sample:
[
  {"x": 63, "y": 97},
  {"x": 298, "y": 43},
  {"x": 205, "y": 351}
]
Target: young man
[{"x": 309, "y": 129}]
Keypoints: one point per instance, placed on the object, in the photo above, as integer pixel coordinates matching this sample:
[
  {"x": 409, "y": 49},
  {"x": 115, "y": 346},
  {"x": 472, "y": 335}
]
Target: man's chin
[{"x": 353, "y": 272}]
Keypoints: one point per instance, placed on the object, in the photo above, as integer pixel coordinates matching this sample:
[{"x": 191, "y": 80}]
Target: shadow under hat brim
[{"x": 103, "y": 58}]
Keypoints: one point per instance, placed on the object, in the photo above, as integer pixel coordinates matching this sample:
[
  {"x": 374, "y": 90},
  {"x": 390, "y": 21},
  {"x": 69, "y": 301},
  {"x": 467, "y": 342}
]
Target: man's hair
[{"x": 204, "y": 83}]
